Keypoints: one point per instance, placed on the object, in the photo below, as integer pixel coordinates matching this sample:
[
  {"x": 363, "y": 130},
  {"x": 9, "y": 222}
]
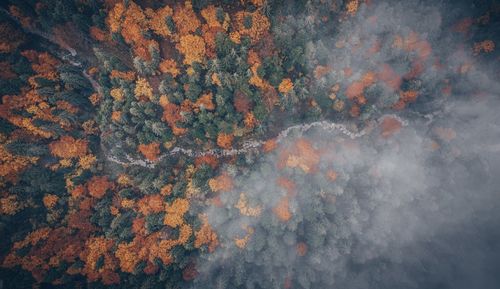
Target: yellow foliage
[
  {"x": 242, "y": 242},
  {"x": 143, "y": 89},
  {"x": 245, "y": 210},
  {"x": 124, "y": 180},
  {"x": 87, "y": 161},
  {"x": 192, "y": 47},
  {"x": 117, "y": 94},
  {"x": 222, "y": 183},
  {"x": 126, "y": 203},
  {"x": 352, "y": 7},
  {"x": 235, "y": 37}
]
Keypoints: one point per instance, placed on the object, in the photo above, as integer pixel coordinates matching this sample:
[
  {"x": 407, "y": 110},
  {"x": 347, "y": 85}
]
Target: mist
[{"x": 413, "y": 203}]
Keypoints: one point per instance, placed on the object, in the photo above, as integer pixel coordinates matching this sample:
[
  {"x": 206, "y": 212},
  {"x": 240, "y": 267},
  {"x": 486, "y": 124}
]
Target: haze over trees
[{"x": 126, "y": 132}]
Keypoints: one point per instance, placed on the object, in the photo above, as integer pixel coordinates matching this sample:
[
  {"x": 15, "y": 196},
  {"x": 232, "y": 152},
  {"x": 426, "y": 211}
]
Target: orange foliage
[
  {"x": 332, "y": 175},
  {"x": 352, "y": 6},
  {"x": 131, "y": 21},
  {"x": 115, "y": 17},
  {"x": 301, "y": 155},
  {"x": 208, "y": 160},
  {"x": 172, "y": 114},
  {"x": 150, "y": 151},
  {"x": 356, "y": 88},
  {"x": 17, "y": 13},
  {"x": 98, "y": 185},
  {"x": 446, "y": 134},
  {"x": 242, "y": 242},
  {"x": 260, "y": 24},
  {"x": 33, "y": 238},
  {"x": 192, "y": 47},
  {"x": 9, "y": 205},
  {"x": 157, "y": 20},
  {"x": 68, "y": 147},
  {"x": 12, "y": 165},
  {"x": 98, "y": 34},
  {"x": 205, "y": 101},
  {"x": 301, "y": 249},
  {"x": 169, "y": 66},
  {"x": 270, "y": 145},
  {"x": 50, "y": 200},
  {"x": 151, "y": 204},
  {"x": 282, "y": 209},
  {"x": 287, "y": 184},
  {"x": 405, "y": 97},
  {"x": 250, "y": 120},
  {"x": 128, "y": 76},
  {"x": 166, "y": 190},
  {"x": 116, "y": 116},
  {"x": 206, "y": 236},
  {"x": 222, "y": 183},
  {"x": 285, "y": 86},
  {"x": 225, "y": 140},
  {"x": 321, "y": 71},
  {"x": 210, "y": 15},
  {"x": 185, "y": 19},
  {"x": 389, "y": 77},
  {"x": 175, "y": 212},
  {"x": 390, "y": 126},
  {"x": 485, "y": 46},
  {"x": 96, "y": 248}
]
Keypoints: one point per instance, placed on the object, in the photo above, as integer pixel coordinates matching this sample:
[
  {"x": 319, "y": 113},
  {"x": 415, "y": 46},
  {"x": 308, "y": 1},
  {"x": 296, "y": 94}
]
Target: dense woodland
[{"x": 83, "y": 83}]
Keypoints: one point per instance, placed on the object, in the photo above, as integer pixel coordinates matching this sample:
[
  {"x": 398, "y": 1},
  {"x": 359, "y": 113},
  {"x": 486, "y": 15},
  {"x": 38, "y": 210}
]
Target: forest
[{"x": 241, "y": 144}]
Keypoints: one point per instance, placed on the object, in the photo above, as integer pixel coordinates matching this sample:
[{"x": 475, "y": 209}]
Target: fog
[{"x": 413, "y": 207}]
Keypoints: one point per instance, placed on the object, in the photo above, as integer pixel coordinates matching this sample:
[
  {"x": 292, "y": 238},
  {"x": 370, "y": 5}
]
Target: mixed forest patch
[{"x": 228, "y": 144}]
